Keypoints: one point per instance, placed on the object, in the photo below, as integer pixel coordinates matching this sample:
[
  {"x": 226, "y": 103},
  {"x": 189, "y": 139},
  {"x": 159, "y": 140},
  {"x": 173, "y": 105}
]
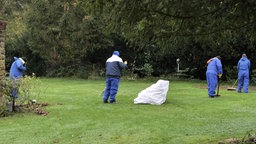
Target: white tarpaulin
[{"x": 155, "y": 94}]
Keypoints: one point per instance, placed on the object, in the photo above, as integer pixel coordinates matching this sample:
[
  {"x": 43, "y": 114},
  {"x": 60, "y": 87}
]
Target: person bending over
[{"x": 214, "y": 70}]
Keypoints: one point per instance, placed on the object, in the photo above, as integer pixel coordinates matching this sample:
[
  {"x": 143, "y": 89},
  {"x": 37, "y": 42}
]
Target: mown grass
[{"x": 78, "y": 116}]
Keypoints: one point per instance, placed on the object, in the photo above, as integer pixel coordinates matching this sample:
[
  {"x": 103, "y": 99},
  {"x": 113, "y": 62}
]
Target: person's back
[
  {"x": 243, "y": 68},
  {"x": 16, "y": 72},
  {"x": 214, "y": 69},
  {"x": 17, "y": 68},
  {"x": 243, "y": 64},
  {"x": 214, "y": 66},
  {"x": 114, "y": 66}
]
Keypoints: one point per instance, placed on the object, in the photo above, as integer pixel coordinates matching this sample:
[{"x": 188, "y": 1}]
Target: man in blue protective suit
[
  {"x": 114, "y": 66},
  {"x": 16, "y": 72},
  {"x": 243, "y": 68},
  {"x": 214, "y": 70}
]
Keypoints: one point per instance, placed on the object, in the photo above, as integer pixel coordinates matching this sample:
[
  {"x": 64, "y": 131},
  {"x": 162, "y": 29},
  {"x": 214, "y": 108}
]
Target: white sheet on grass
[{"x": 155, "y": 94}]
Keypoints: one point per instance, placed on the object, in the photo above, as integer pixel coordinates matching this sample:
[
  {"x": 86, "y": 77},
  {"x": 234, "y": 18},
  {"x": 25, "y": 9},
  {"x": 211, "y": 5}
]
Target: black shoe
[
  {"x": 211, "y": 96},
  {"x": 105, "y": 101},
  {"x": 217, "y": 95},
  {"x": 113, "y": 102}
]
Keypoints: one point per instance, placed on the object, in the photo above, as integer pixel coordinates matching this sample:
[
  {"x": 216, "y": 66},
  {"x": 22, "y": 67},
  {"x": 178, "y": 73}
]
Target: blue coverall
[
  {"x": 214, "y": 68},
  {"x": 243, "y": 68},
  {"x": 114, "y": 66},
  {"x": 16, "y": 72}
]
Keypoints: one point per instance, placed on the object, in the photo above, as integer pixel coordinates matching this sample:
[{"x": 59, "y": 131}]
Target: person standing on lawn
[
  {"x": 214, "y": 71},
  {"x": 114, "y": 67},
  {"x": 243, "y": 68},
  {"x": 16, "y": 72}
]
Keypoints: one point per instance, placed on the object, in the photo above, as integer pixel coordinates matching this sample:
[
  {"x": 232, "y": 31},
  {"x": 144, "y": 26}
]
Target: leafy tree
[
  {"x": 63, "y": 33},
  {"x": 192, "y": 30}
]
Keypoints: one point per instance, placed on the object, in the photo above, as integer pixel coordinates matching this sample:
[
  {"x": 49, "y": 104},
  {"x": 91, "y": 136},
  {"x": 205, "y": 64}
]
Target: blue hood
[
  {"x": 116, "y": 53},
  {"x": 243, "y": 64}
]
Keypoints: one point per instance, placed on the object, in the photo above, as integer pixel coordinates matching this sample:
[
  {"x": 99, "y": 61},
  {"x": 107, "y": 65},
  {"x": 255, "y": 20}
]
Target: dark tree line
[{"x": 75, "y": 37}]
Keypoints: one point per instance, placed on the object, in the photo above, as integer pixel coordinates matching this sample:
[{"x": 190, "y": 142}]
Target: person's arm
[
  {"x": 20, "y": 65},
  {"x": 122, "y": 65},
  {"x": 219, "y": 67}
]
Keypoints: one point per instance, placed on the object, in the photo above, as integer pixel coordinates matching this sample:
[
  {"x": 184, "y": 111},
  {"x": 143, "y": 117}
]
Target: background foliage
[{"x": 74, "y": 37}]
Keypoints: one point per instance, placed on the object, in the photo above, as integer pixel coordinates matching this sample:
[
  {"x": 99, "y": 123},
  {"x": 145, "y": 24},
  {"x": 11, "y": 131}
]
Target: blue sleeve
[
  {"x": 219, "y": 67},
  {"x": 122, "y": 65},
  {"x": 20, "y": 65}
]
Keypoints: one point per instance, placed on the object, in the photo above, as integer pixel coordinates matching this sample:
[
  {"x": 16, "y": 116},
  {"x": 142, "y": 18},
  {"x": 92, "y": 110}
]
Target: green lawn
[{"x": 77, "y": 115}]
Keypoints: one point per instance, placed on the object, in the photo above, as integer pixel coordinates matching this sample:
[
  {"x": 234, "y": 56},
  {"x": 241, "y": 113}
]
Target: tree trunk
[{"x": 2, "y": 59}]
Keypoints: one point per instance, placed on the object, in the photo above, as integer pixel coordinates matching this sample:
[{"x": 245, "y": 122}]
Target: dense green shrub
[
  {"x": 253, "y": 76},
  {"x": 29, "y": 89},
  {"x": 5, "y": 97},
  {"x": 230, "y": 73}
]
